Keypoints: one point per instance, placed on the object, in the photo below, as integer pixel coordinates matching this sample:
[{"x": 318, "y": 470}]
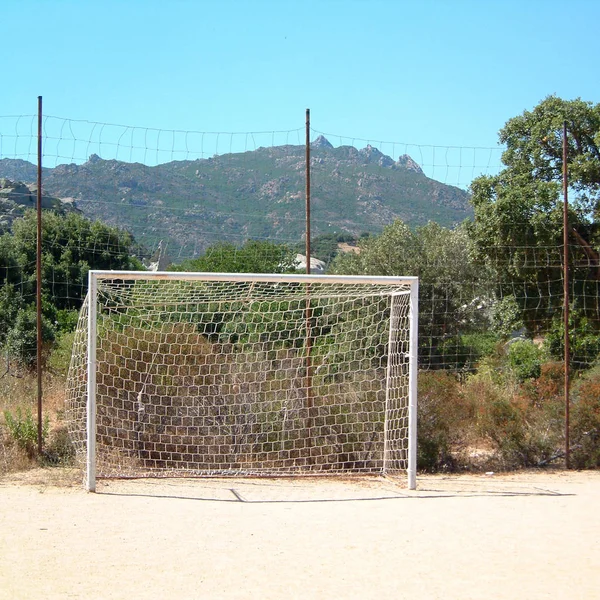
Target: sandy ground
[{"x": 511, "y": 536}]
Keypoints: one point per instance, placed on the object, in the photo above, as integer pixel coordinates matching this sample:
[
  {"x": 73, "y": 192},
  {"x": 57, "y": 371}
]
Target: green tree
[
  {"x": 226, "y": 322},
  {"x": 450, "y": 285},
  {"x": 72, "y": 245},
  {"x": 21, "y": 340},
  {"x": 518, "y": 224},
  {"x": 253, "y": 257}
]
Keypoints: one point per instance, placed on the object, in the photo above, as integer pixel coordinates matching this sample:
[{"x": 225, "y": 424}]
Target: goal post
[
  {"x": 413, "y": 368},
  {"x": 216, "y": 374}
]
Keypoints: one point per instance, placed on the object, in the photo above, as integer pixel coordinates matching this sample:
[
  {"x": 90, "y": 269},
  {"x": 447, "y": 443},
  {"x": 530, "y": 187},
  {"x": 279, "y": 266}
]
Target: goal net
[{"x": 199, "y": 374}]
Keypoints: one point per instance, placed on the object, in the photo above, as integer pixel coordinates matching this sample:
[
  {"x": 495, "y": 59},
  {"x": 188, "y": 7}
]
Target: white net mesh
[{"x": 213, "y": 377}]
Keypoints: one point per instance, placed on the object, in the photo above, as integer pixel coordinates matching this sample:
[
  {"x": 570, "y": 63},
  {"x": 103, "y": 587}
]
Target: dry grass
[
  {"x": 61, "y": 477},
  {"x": 18, "y": 392},
  {"x": 12, "y": 458},
  {"x": 18, "y": 388},
  {"x": 476, "y": 425}
]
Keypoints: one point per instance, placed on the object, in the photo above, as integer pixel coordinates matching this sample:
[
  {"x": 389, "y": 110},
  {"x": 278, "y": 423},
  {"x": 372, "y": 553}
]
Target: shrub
[
  {"x": 441, "y": 421},
  {"x": 12, "y": 458},
  {"x": 585, "y": 421},
  {"x": 548, "y": 387},
  {"x": 501, "y": 422},
  {"x": 60, "y": 356},
  {"x": 22, "y": 337},
  {"x": 522, "y": 433},
  {"x": 462, "y": 352},
  {"x": 59, "y": 450},
  {"x": 551, "y": 382},
  {"x": 493, "y": 368},
  {"x": 584, "y": 340},
  {"x": 23, "y": 429},
  {"x": 525, "y": 359},
  {"x": 481, "y": 344},
  {"x": 67, "y": 319},
  {"x": 506, "y": 317}
]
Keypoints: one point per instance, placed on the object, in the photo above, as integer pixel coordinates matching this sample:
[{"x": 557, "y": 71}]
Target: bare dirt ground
[{"x": 524, "y": 535}]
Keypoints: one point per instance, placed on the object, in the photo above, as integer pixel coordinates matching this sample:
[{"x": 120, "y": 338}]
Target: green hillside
[{"x": 252, "y": 195}]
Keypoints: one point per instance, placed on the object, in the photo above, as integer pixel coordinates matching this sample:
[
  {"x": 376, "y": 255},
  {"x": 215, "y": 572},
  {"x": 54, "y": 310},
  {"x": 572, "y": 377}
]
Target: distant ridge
[{"x": 251, "y": 195}]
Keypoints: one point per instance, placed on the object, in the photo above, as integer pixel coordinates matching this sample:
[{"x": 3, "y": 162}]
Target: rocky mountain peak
[
  {"x": 371, "y": 155},
  {"x": 322, "y": 143},
  {"x": 406, "y": 162}
]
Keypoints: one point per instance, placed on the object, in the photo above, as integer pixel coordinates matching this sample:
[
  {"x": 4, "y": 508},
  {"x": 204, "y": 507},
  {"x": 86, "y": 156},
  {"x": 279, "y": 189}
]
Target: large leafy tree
[
  {"x": 72, "y": 245},
  {"x": 450, "y": 285},
  {"x": 518, "y": 225}
]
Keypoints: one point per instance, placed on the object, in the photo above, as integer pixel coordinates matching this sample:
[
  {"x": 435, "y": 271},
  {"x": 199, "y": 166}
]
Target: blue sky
[{"x": 432, "y": 72}]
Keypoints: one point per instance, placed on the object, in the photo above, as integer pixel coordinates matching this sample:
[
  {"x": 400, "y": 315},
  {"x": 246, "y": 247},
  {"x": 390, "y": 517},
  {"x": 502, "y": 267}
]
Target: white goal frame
[{"x": 96, "y": 276}]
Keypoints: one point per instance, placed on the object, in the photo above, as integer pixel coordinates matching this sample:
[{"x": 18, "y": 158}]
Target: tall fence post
[
  {"x": 39, "y": 282},
  {"x": 308, "y": 191},
  {"x": 566, "y": 290},
  {"x": 308, "y": 309}
]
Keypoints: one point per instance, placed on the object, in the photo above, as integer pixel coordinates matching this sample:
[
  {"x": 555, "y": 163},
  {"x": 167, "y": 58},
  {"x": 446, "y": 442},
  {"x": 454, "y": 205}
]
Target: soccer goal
[{"x": 203, "y": 374}]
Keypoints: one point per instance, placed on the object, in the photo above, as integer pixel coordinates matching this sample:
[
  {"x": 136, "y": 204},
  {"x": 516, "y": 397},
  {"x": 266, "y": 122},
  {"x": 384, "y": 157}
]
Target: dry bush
[
  {"x": 585, "y": 421},
  {"x": 547, "y": 388},
  {"x": 12, "y": 457},
  {"x": 520, "y": 422},
  {"x": 444, "y": 419}
]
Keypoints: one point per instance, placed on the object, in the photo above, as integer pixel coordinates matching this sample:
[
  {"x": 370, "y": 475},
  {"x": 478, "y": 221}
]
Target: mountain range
[{"x": 259, "y": 194}]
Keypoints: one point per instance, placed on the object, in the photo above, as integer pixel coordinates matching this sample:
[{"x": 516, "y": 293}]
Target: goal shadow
[{"x": 316, "y": 490}]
